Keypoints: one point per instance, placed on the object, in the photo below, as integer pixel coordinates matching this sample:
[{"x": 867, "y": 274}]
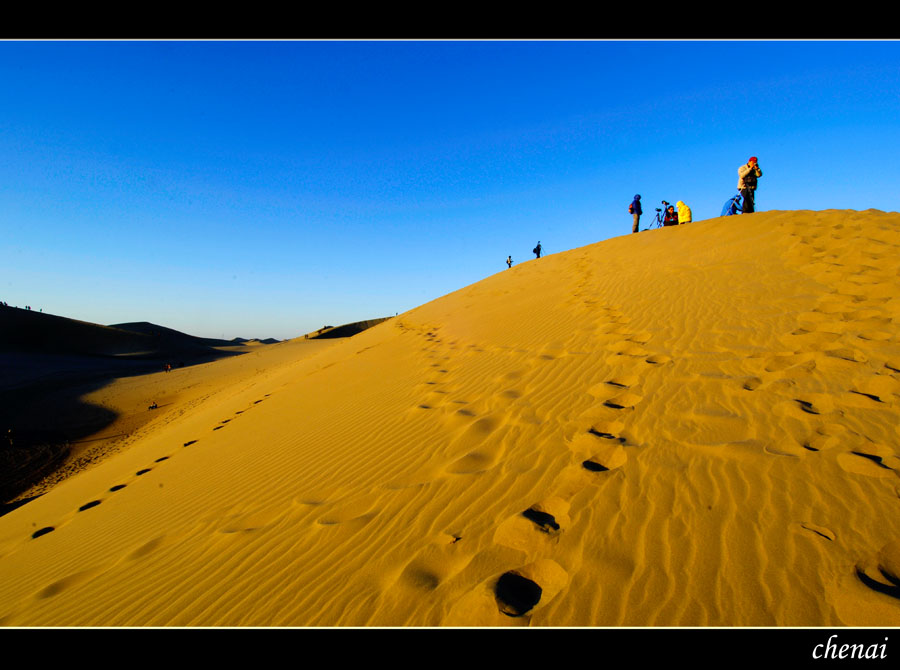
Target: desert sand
[{"x": 691, "y": 426}]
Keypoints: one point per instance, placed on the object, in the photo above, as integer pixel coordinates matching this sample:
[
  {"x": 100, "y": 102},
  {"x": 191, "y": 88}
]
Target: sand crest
[{"x": 691, "y": 426}]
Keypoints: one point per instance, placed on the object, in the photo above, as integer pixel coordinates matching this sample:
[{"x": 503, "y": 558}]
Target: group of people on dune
[{"x": 747, "y": 181}]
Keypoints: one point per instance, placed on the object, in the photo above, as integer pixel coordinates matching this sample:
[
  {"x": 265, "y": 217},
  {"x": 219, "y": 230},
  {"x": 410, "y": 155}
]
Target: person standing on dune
[
  {"x": 635, "y": 210},
  {"x": 747, "y": 176},
  {"x": 509, "y": 261},
  {"x": 537, "y": 250}
]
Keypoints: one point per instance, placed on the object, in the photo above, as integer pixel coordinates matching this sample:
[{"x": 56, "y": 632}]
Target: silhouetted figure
[
  {"x": 537, "y": 250},
  {"x": 509, "y": 261}
]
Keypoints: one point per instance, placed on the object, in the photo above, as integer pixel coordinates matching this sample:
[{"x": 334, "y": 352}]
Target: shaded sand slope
[
  {"x": 104, "y": 408},
  {"x": 70, "y": 391},
  {"x": 689, "y": 426},
  {"x": 347, "y": 330}
]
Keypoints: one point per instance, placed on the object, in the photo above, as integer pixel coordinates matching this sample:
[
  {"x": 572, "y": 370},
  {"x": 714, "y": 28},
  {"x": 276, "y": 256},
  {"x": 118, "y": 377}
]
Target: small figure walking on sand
[
  {"x": 509, "y": 261},
  {"x": 537, "y": 250}
]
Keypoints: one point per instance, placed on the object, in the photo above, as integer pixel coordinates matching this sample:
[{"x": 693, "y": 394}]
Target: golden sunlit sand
[{"x": 691, "y": 426}]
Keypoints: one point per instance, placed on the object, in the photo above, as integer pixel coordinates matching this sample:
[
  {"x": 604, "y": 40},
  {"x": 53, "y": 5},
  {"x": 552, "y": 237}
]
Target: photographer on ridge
[{"x": 747, "y": 176}]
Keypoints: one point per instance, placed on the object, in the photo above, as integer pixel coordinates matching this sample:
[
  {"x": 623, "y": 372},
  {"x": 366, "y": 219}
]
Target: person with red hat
[{"x": 747, "y": 176}]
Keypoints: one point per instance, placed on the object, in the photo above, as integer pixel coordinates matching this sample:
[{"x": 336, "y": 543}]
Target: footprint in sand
[
  {"x": 780, "y": 363},
  {"x": 615, "y": 328},
  {"x": 517, "y": 595},
  {"x": 626, "y": 400},
  {"x": 807, "y": 407},
  {"x": 871, "y": 460},
  {"x": 147, "y": 548},
  {"x": 879, "y": 388},
  {"x": 815, "y": 403},
  {"x": 544, "y": 521},
  {"x": 534, "y": 527},
  {"x": 609, "y": 430},
  {"x": 816, "y": 530},
  {"x": 66, "y": 582},
  {"x": 353, "y": 523},
  {"x": 518, "y": 592},
  {"x": 658, "y": 359},
  {"x": 247, "y": 523},
  {"x": 752, "y": 383},
  {"x": 606, "y": 451},
  {"x": 625, "y": 349},
  {"x": 435, "y": 563},
  {"x": 473, "y": 463},
  {"x": 481, "y": 456},
  {"x": 598, "y": 449},
  {"x": 847, "y": 354},
  {"x": 881, "y": 573},
  {"x": 826, "y": 437}
]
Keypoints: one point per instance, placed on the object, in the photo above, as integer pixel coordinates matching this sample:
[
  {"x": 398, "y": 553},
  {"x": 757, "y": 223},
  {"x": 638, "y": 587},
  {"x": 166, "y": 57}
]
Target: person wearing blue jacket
[{"x": 635, "y": 209}]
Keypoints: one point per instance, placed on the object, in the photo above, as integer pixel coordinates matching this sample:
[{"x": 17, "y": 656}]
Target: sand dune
[{"x": 692, "y": 426}]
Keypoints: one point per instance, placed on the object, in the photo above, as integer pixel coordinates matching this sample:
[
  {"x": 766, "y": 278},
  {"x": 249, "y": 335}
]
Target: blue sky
[{"x": 266, "y": 188}]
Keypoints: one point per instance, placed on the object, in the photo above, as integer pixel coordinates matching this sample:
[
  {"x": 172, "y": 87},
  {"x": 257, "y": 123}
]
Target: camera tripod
[{"x": 660, "y": 217}]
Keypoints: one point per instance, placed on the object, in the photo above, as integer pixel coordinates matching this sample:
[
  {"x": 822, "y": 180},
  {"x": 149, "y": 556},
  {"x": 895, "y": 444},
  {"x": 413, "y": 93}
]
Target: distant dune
[
  {"x": 690, "y": 426},
  {"x": 36, "y": 332},
  {"x": 171, "y": 336},
  {"x": 27, "y": 330}
]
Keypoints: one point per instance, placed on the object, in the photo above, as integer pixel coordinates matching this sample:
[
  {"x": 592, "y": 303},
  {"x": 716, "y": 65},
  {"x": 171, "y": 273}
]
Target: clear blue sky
[{"x": 266, "y": 188}]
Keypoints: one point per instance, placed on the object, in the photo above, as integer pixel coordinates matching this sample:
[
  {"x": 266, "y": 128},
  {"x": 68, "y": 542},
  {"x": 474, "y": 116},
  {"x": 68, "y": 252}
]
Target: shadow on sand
[{"x": 49, "y": 363}]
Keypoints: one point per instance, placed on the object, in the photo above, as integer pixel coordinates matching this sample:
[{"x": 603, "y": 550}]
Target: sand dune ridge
[{"x": 692, "y": 426}]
